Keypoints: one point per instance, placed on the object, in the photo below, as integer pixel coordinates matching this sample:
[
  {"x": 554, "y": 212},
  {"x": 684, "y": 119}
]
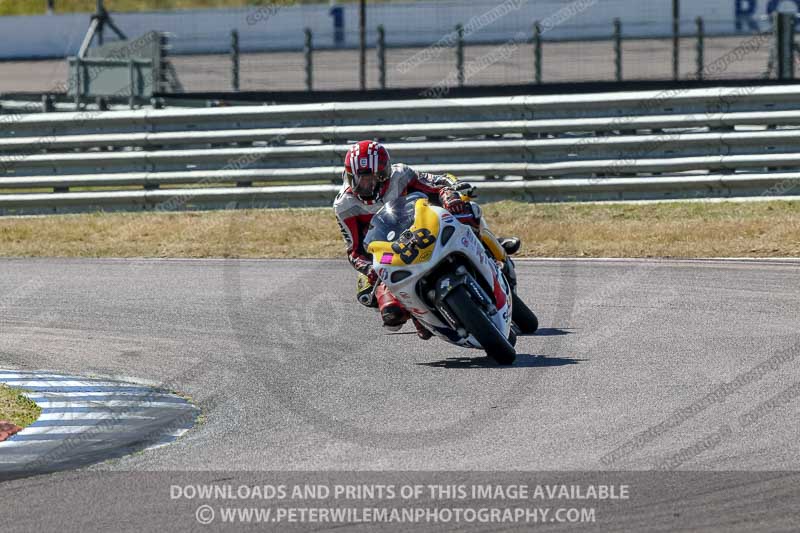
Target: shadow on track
[
  {"x": 548, "y": 332},
  {"x": 523, "y": 361},
  {"x": 541, "y": 332}
]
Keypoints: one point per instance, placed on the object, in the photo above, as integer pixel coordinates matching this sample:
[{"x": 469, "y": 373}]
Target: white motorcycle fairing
[{"x": 456, "y": 256}]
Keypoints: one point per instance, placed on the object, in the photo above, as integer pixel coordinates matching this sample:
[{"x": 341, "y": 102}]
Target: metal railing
[
  {"x": 665, "y": 144},
  {"x": 618, "y": 107}
]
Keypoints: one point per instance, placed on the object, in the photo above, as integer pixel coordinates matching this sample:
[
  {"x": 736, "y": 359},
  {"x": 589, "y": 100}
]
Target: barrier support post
[
  {"x": 132, "y": 81},
  {"x": 617, "y": 49},
  {"x": 235, "y": 60},
  {"x": 460, "y": 54},
  {"x": 381, "y": 49},
  {"x": 78, "y": 84},
  {"x": 700, "y": 48},
  {"x": 537, "y": 52},
  {"x": 308, "y": 51},
  {"x": 784, "y": 35},
  {"x": 676, "y": 39}
]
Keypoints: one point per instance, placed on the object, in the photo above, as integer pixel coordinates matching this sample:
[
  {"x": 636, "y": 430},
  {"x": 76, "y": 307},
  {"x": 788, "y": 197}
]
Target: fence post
[
  {"x": 47, "y": 103},
  {"x": 362, "y": 44},
  {"x": 308, "y": 51},
  {"x": 537, "y": 52},
  {"x": 676, "y": 39},
  {"x": 700, "y": 48},
  {"x": 460, "y": 54},
  {"x": 132, "y": 80},
  {"x": 381, "y": 48},
  {"x": 163, "y": 67},
  {"x": 78, "y": 83},
  {"x": 235, "y": 60},
  {"x": 617, "y": 49},
  {"x": 784, "y": 35}
]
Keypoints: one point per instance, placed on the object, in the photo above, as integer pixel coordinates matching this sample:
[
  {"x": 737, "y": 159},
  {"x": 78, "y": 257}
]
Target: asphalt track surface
[{"x": 293, "y": 375}]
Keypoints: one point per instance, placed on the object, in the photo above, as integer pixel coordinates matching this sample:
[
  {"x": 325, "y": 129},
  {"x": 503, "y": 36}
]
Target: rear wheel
[
  {"x": 475, "y": 321},
  {"x": 522, "y": 316}
]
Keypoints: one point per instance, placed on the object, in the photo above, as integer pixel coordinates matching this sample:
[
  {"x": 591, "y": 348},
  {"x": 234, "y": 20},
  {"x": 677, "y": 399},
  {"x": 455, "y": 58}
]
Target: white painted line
[
  {"x": 26, "y": 376},
  {"x": 99, "y": 415},
  {"x": 140, "y": 396},
  {"x": 17, "y": 444},
  {"x": 121, "y": 392},
  {"x": 94, "y": 428},
  {"x": 106, "y": 405},
  {"x": 11, "y": 460},
  {"x": 23, "y": 383}
]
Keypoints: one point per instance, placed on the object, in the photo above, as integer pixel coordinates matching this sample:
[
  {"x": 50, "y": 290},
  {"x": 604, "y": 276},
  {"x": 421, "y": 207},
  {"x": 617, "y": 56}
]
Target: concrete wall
[{"x": 279, "y": 28}]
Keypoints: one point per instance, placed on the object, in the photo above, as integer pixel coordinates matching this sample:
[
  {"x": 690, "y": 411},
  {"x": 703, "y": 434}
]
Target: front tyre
[
  {"x": 522, "y": 316},
  {"x": 475, "y": 321}
]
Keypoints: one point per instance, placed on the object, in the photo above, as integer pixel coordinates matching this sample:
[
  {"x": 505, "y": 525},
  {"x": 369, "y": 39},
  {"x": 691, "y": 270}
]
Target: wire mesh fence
[
  {"x": 420, "y": 47},
  {"x": 512, "y": 62}
]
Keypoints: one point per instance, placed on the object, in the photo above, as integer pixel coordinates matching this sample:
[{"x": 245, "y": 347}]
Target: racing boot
[
  {"x": 510, "y": 244},
  {"x": 422, "y": 332},
  {"x": 365, "y": 291},
  {"x": 393, "y": 313}
]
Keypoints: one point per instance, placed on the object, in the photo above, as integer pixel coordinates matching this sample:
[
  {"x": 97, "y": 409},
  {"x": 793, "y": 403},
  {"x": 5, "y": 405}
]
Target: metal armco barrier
[{"x": 742, "y": 141}]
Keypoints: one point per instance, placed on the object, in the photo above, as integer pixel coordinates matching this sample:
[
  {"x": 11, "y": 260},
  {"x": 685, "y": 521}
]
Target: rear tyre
[
  {"x": 522, "y": 316},
  {"x": 475, "y": 321}
]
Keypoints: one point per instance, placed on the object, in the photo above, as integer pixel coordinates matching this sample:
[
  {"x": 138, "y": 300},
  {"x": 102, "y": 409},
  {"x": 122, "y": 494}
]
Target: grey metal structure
[
  {"x": 127, "y": 69},
  {"x": 653, "y": 144},
  {"x": 111, "y": 78}
]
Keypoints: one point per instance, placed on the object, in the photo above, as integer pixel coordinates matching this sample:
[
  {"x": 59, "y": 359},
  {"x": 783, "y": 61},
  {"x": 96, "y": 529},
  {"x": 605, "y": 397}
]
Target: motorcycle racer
[{"x": 370, "y": 180}]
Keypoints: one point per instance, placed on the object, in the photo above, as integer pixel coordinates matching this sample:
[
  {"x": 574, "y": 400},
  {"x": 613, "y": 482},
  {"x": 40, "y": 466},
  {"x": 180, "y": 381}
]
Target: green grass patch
[{"x": 16, "y": 408}]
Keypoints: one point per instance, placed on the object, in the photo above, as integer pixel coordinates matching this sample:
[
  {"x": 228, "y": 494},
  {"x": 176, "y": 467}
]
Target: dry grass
[
  {"x": 758, "y": 229},
  {"x": 16, "y": 408},
  {"x": 38, "y": 7},
  {"x": 754, "y": 229}
]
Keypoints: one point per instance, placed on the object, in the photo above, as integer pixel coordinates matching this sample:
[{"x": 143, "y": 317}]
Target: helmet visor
[{"x": 365, "y": 184}]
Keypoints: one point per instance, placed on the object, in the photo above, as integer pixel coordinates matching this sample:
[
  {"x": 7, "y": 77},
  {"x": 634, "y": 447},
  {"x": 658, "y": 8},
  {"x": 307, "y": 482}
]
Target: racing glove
[
  {"x": 372, "y": 276},
  {"x": 451, "y": 200}
]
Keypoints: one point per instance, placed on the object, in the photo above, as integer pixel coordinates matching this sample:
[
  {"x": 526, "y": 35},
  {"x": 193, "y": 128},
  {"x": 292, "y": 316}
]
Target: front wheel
[
  {"x": 522, "y": 316},
  {"x": 475, "y": 321}
]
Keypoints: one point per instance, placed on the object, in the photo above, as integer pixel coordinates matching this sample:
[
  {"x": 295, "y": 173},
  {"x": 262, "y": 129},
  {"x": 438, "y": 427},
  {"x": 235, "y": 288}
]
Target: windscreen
[{"x": 393, "y": 219}]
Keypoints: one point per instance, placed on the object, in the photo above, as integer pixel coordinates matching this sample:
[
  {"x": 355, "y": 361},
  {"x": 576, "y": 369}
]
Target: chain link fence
[
  {"x": 512, "y": 62},
  {"x": 497, "y": 44}
]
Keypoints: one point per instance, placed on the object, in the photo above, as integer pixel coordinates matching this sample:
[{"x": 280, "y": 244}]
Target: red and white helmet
[{"x": 366, "y": 168}]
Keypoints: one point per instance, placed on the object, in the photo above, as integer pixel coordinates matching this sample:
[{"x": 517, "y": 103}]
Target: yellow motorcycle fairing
[{"x": 425, "y": 229}]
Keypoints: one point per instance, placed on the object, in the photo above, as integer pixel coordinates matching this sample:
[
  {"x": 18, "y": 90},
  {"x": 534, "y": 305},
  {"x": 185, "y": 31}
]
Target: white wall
[{"x": 413, "y": 23}]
